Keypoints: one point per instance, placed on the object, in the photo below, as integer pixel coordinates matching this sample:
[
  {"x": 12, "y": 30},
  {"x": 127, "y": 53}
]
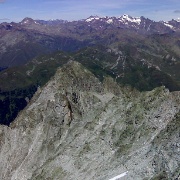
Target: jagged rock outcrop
[{"x": 76, "y": 127}]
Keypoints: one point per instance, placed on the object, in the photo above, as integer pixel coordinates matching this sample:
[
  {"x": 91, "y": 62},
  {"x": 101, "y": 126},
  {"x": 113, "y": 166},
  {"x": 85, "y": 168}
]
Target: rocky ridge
[
  {"x": 77, "y": 127},
  {"x": 125, "y": 21}
]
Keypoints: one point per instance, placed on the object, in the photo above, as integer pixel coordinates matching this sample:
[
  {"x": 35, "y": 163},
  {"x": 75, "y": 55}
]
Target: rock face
[{"x": 76, "y": 127}]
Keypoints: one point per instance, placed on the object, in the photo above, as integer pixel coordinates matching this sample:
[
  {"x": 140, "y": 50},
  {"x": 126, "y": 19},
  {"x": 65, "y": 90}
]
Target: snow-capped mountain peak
[
  {"x": 124, "y": 19},
  {"x": 138, "y": 23},
  {"x": 178, "y": 19},
  {"x": 91, "y": 18},
  {"x": 109, "y": 21},
  {"x": 127, "y": 18}
]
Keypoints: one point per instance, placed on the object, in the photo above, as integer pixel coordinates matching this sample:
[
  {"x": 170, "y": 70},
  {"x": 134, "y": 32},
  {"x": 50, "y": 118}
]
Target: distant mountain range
[
  {"x": 138, "y": 40},
  {"x": 20, "y": 42},
  {"x": 124, "y": 21}
]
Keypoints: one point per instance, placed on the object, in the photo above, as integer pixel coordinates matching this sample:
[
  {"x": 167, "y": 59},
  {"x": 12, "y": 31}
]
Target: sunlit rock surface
[{"x": 78, "y": 128}]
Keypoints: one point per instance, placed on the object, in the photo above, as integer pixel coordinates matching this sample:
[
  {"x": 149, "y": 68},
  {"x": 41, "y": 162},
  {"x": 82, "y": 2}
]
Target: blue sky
[{"x": 16, "y": 10}]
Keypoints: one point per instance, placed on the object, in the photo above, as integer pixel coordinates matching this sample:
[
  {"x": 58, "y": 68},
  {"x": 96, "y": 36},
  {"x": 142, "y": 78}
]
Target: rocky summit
[{"x": 78, "y": 128}]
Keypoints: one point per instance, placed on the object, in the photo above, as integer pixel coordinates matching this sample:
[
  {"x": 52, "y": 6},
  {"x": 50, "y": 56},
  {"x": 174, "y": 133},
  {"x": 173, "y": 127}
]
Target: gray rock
[{"x": 77, "y": 128}]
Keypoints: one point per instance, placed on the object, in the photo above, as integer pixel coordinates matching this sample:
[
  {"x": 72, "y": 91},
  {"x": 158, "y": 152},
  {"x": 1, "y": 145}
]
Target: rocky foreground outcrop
[{"x": 78, "y": 128}]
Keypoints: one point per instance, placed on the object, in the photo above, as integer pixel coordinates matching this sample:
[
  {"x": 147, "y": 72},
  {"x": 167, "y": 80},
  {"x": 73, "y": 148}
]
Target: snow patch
[
  {"x": 109, "y": 21},
  {"x": 125, "y": 17},
  {"x": 119, "y": 176},
  {"x": 178, "y": 20},
  {"x": 92, "y": 18},
  {"x": 168, "y": 25}
]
